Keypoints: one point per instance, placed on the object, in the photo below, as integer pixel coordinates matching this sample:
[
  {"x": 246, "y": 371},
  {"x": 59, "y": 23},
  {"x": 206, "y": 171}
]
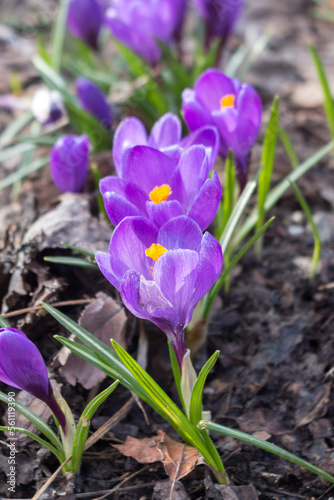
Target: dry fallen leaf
[
  {"x": 236, "y": 492},
  {"x": 105, "y": 319},
  {"x": 178, "y": 458}
]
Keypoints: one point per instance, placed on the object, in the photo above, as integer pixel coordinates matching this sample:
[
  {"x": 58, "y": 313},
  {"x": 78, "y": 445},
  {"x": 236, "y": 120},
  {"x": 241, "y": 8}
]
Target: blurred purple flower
[
  {"x": 139, "y": 23},
  {"x": 180, "y": 7},
  {"x": 22, "y": 366},
  {"x": 220, "y": 17},
  {"x": 85, "y": 19},
  {"x": 93, "y": 101},
  {"x": 234, "y": 108},
  {"x": 162, "y": 274},
  {"x": 166, "y": 135},
  {"x": 155, "y": 186},
  {"x": 69, "y": 159}
]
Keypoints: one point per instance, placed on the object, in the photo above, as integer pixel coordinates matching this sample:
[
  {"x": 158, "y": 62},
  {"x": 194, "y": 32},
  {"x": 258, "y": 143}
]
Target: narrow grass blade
[
  {"x": 277, "y": 192},
  {"x": 264, "y": 445},
  {"x": 71, "y": 261},
  {"x": 42, "y": 426},
  {"x": 58, "y": 35},
  {"x": 288, "y": 146},
  {"x": 328, "y": 99},
  {"x": 79, "y": 250},
  {"x": 210, "y": 296},
  {"x": 256, "y": 50},
  {"x": 84, "y": 424},
  {"x": 23, "y": 172},
  {"x": 33, "y": 436},
  {"x": 16, "y": 150},
  {"x": 267, "y": 164},
  {"x": 15, "y": 127},
  {"x": 226, "y": 205},
  {"x": 176, "y": 372},
  {"x": 3, "y": 323},
  {"x": 163, "y": 405},
  {"x": 196, "y": 406},
  {"x": 317, "y": 241}
]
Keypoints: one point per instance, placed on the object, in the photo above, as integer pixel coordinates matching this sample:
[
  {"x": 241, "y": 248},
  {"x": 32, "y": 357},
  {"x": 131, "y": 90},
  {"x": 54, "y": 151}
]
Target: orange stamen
[
  {"x": 227, "y": 101},
  {"x": 160, "y": 193},
  {"x": 155, "y": 251}
]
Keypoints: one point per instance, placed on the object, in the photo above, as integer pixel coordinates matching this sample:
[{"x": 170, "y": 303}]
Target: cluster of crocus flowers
[
  {"x": 234, "y": 108},
  {"x": 162, "y": 273},
  {"x": 69, "y": 160},
  {"x": 22, "y": 367}
]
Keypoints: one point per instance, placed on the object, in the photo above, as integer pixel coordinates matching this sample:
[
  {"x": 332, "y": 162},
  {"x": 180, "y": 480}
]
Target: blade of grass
[
  {"x": 277, "y": 192},
  {"x": 267, "y": 164},
  {"x": 33, "y": 436},
  {"x": 16, "y": 150},
  {"x": 288, "y": 146},
  {"x": 71, "y": 261},
  {"x": 226, "y": 205},
  {"x": 58, "y": 35},
  {"x": 264, "y": 445},
  {"x": 20, "y": 174},
  {"x": 328, "y": 99},
  {"x": 3, "y": 323},
  {"x": 195, "y": 413},
  {"x": 79, "y": 250},
  {"x": 15, "y": 127}
]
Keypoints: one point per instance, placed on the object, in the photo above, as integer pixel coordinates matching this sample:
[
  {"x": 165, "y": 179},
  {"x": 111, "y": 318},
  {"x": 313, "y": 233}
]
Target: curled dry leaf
[
  {"x": 105, "y": 319},
  {"x": 178, "y": 459}
]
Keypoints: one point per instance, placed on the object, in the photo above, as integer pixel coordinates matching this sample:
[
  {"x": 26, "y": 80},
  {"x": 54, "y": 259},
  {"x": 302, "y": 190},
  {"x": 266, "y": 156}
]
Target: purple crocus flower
[
  {"x": 138, "y": 24},
  {"x": 93, "y": 101},
  {"x": 234, "y": 108},
  {"x": 180, "y": 7},
  {"x": 154, "y": 186},
  {"x": 162, "y": 274},
  {"x": 220, "y": 17},
  {"x": 69, "y": 162},
  {"x": 166, "y": 135},
  {"x": 22, "y": 366},
  {"x": 84, "y": 20}
]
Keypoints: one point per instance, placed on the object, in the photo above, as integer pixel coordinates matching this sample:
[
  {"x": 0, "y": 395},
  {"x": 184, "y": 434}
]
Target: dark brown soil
[{"x": 274, "y": 328}]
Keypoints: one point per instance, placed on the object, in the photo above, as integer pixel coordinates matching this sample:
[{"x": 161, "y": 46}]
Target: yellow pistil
[
  {"x": 155, "y": 251},
  {"x": 160, "y": 193},
  {"x": 227, "y": 101}
]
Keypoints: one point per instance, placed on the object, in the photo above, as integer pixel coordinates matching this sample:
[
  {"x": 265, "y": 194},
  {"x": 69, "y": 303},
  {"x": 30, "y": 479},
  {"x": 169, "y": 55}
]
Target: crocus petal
[
  {"x": 207, "y": 137},
  {"x": 129, "y": 241},
  {"x": 127, "y": 190},
  {"x": 194, "y": 114},
  {"x": 159, "y": 213},
  {"x": 129, "y": 133},
  {"x": 85, "y": 20},
  {"x": 113, "y": 269},
  {"x": 211, "y": 86},
  {"x": 175, "y": 273},
  {"x": 147, "y": 167},
  {"x": 118, "y": 208},
  {"x": 165, "y": 132},
  {"x": 69, "y": 162},
  {"x": 180, "y": 233},
  {"x": 93, "y": 101},
  {"x": 206, "y": 203},
  {"x": 210, "y": 265}
]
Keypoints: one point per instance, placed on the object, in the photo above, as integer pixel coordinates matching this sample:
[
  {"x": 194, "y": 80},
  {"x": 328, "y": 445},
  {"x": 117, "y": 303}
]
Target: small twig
[
  {"x": 40, "y": 308},
  {"x": 117, "y": 488}
]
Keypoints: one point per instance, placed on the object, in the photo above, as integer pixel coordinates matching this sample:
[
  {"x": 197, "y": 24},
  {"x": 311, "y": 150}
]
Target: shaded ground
[{"x": 274, "y": 329}]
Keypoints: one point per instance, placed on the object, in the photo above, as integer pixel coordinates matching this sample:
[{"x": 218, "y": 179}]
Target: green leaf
[
  {"x": 42, "y": 426},
  {"x": 196, "y": 406},
  {"x": 71, "y": 261},
  {"x": 288, "y": 146},
  {"x": 39, "y": 440},
  {"x": 163, "y": 405},
  {"x": 79, "y": 250},
  {"x": 210, "y": 296},
  {"x": 3, "y": 323},
  {"x": 277, "y": 192},
  {"x": 17, "y": 150},
  {"x": 15, "y": 127},
  {"x": 316, "y": 235},
  {"x": 58, "y": 35},
  {"x": 23, "y": 172},
  {"x": 176, "y": 372},
  {"x": 226, "y": 205},
  {"x": 264, "y": 445},
  {"x": 328, "y": 99},
  {"x": 267, "y": 164},
  {"x": 84, "y": 424}
]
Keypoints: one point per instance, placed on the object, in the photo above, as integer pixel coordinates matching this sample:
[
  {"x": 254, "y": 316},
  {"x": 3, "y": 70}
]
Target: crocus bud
[
  {"x": 69, "y": 163},
  {"x": 47, "y": 106},
  {"x": 234, "y": 108},
  {"x": 22, "y": 366},
  {"x": 93, "y": 101},
  {"x": 85, "y": 20},
  {"x": 220, "y": 17}
]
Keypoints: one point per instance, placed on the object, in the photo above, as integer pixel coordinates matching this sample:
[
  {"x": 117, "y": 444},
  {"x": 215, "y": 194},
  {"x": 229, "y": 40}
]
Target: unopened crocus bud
[
  {"x": 233, "y": 107},
  {"x": 22, "y": 366},
  {"x": 47, "y": 106},
  {"x": 220, "y": 17},
  {"x": 85, "y": 20},
  {"x": 93, "y": 101},
  {"x": 69, "y": 163}
]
